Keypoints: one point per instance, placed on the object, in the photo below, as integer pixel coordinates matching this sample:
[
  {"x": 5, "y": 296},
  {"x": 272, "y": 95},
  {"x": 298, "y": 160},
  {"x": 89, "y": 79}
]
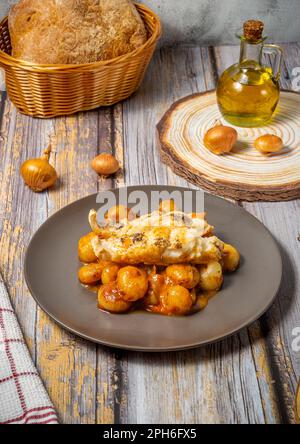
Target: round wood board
[{"x": 244, "y": 173}]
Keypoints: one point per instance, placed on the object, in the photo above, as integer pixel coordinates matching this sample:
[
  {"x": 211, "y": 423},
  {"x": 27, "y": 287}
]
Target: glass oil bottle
[{"x": 248, "y": 92}]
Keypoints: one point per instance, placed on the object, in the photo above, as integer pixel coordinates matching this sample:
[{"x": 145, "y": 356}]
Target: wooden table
[{"x": 248, "y": 378}]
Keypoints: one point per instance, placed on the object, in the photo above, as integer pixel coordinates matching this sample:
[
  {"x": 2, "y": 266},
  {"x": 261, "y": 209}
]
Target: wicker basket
[{"x": 53, "y": 90}]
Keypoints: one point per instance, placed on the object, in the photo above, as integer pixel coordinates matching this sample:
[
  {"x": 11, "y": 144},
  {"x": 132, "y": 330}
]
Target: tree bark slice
[{"x": 243, "y": 174}]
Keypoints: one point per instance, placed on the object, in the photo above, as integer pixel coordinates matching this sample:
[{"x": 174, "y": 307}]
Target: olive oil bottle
[{"x": 248, "y": 92}]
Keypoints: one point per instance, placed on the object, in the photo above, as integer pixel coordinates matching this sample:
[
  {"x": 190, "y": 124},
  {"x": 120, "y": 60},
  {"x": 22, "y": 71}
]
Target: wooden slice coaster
[{"x": 243, "y": 174}]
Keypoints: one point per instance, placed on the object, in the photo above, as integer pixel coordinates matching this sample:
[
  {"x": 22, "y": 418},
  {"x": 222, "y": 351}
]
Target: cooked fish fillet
[{"x": 157, "y": 239}]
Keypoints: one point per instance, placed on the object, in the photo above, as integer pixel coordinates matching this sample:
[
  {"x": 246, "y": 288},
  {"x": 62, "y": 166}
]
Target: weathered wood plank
[
  {"x": 240, "y": 380},
  {"x": 216, "y": 383},
  {"x": 62, "y": 358},
  {"x": 68, "y": 365},
  {"x": 283, "y": 221}
]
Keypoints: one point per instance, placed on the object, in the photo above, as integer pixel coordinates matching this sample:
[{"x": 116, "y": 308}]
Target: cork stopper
[{"x": 253, "y": 30}]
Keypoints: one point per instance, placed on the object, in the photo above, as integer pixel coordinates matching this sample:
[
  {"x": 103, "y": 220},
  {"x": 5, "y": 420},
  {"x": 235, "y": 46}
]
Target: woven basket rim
[{"x": 9, "y": 60}]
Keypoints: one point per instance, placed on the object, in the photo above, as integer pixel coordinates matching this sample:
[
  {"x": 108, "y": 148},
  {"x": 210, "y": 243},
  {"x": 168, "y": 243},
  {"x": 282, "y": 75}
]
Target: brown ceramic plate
[{"x": 51, "y": 266}]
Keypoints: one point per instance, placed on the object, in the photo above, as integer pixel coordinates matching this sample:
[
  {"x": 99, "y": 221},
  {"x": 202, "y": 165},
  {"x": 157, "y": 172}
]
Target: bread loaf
[{"x": 74, "y": 31}]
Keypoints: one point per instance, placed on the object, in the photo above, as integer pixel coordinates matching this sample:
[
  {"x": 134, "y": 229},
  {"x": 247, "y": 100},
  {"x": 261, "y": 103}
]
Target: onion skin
[
  {"x": 268, "y": 143},
  {"x": 38, "y": 174},
  {"x": 105, "y": 164},
  {"x": 220, "y": 139}
]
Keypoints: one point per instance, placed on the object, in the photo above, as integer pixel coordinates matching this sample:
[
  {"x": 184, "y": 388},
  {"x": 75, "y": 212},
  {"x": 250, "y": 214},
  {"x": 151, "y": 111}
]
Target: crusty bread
[{"x": 74, "y": 31}]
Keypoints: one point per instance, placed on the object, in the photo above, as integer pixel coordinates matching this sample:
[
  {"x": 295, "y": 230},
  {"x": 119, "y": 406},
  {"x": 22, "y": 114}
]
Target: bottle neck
[{"x": 250, "y": 53}]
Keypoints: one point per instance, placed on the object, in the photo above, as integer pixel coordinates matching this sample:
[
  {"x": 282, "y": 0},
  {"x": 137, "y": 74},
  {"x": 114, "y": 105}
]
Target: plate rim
[{"x": 175, "y": 348}]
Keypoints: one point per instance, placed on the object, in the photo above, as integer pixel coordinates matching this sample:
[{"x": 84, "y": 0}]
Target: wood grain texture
[
  {"x": 297, "y": 405},
  {"x": 61, "y": 357},
  {"x": 194, "y": 379},
  {"x": 211, "y": 22},
  {"x": 282, "y": 219},
  {"x": 244, "y": 173},
  {"x": 249, "y": 378}
]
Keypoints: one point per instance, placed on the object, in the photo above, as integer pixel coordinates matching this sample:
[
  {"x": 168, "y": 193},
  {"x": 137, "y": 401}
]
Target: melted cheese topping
[{"x": 160, "y": 239}]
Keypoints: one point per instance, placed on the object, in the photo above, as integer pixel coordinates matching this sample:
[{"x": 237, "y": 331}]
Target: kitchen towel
[{"x": 23, "y": 398}]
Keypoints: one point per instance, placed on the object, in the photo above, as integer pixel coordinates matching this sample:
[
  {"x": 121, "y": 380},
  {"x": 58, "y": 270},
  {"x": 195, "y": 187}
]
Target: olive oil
[{"x": 248, "y": 92}]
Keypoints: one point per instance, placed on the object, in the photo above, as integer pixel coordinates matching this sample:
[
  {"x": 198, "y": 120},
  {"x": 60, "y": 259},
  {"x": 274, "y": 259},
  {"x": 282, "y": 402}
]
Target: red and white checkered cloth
[{"x": 23, "y": 398}]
